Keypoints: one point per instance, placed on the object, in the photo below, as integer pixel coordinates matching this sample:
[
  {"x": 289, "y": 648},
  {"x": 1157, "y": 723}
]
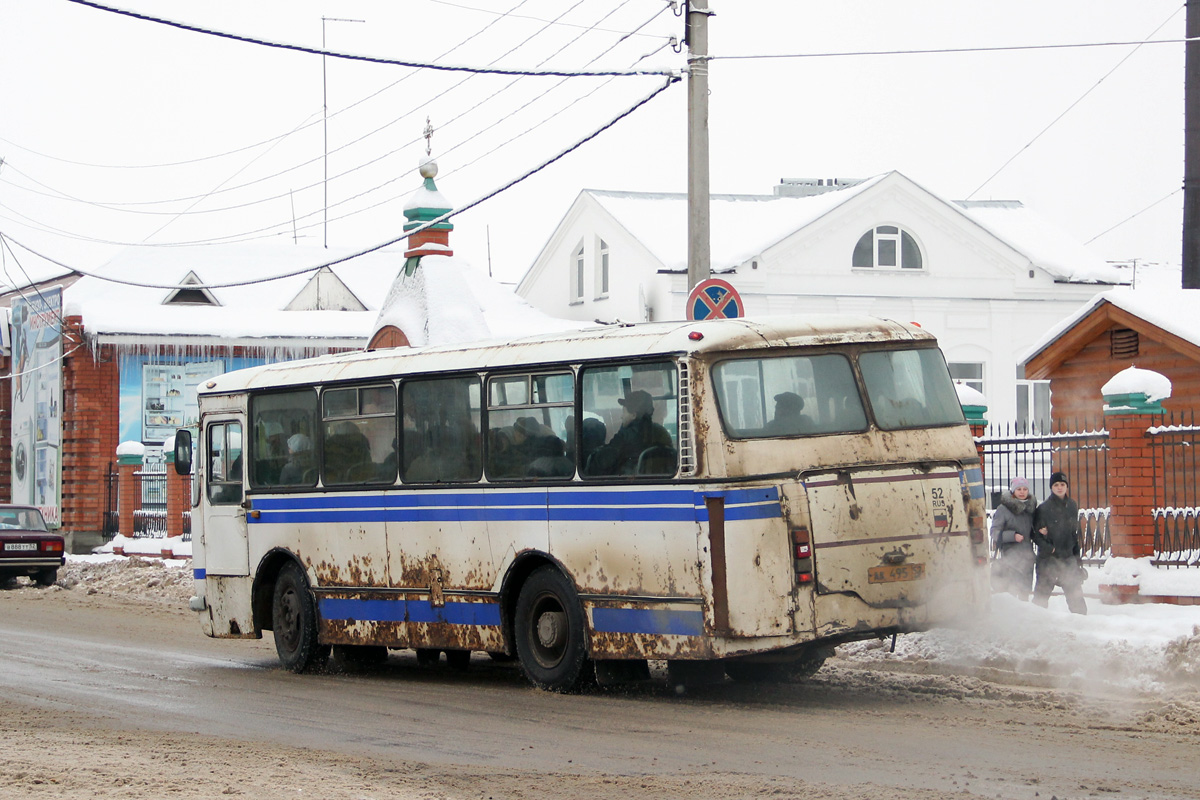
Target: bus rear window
[
  {"x": 909, "y": 388},
  {"x": 789, "y": 396}
]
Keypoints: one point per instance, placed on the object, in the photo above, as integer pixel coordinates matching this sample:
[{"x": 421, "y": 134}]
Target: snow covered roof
[
  {"x": 448, "y": 301},
  {"x": 743, "y": 226},
  {"x": 254, "y": 308},
  {"x": 1040, "y": 241},
  {"x": 1146, "y": 300}
]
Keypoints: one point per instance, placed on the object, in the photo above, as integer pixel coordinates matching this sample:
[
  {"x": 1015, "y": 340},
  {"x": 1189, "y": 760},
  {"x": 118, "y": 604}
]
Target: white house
[{"x": 986, "y": 277}]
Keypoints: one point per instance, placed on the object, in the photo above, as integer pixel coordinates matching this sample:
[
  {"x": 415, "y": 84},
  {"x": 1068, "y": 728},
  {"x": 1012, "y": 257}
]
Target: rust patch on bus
[
  {"x": 358, "y": 571},
  {"x": 641, "y": 645}
]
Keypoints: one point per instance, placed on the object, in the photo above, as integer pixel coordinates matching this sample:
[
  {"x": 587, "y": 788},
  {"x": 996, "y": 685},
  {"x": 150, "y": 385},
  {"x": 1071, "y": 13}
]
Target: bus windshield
[
  {"x": 810, "y": 395},
  {"x": 909, "y": 388}
]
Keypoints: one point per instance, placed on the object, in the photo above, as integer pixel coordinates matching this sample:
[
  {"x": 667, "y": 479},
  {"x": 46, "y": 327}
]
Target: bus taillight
[
  {"x": 975, "y": 522},
  {"x": 802, "y": 547}
]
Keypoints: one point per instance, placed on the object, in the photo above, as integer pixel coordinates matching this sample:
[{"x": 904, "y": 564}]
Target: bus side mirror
[{"x": 183, "y": 452}]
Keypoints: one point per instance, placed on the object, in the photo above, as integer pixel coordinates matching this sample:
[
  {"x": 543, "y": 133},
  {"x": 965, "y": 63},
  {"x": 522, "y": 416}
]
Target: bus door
[
  {"x": 225, "y": 544},
  {"x": 893, "y": 537}
]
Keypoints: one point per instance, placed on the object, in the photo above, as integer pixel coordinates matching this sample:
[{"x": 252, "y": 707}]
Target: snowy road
[{"x": 131, "y": 695}]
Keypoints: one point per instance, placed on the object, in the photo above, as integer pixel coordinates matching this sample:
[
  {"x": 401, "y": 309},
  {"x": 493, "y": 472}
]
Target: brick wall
[
  {"x": 1076, "y": 383},
  {"x": 91, "y": 415}
]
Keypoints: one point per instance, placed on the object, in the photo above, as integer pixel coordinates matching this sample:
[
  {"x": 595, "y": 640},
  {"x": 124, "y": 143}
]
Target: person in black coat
[{"x": 1056, "y": 534}]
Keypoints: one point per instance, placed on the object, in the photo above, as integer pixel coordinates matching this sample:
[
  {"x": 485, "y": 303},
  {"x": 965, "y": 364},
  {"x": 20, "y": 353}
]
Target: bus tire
[
  {"x": 549, "y": 632},
  {"x": 294, "y": 615}
]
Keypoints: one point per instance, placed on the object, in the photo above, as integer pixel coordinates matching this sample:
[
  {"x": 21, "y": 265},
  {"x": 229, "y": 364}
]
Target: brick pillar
[
  {"x": 1130, "y": 474},
  {"x": 178, "y": 497},
  {"x": 129, "y": 486}
]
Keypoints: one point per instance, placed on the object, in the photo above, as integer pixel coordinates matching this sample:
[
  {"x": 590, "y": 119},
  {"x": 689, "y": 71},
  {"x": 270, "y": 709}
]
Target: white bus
[{"x": 733, "y": 497}]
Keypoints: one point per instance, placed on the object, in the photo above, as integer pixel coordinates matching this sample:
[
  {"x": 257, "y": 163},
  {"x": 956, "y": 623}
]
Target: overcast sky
[{"x": 103, "y": 108}]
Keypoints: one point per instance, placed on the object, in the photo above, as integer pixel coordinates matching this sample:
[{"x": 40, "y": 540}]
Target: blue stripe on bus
[
  {"x": 648, "y": 620},
  {"x": 198, "y": 574},
  {"x": 672, "y": 505},
  {"x": 403, "y": 610}
]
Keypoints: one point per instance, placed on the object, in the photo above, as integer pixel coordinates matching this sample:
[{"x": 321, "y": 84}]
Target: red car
[{"x": 27, "y": 547}]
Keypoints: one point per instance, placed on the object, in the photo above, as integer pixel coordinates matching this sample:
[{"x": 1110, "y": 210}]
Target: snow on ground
[{"x": 1149, "y": 647}]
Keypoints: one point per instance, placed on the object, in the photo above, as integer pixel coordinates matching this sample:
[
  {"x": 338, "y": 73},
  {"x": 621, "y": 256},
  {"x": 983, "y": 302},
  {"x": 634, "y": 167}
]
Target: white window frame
[
  {"x": 897, "y": 239},
  {"x": 602, "y": 274},
  {"x": 976, "y": 383},
  {"x": 576, "y": 272},
  {"x": 1034, "y": 413}
]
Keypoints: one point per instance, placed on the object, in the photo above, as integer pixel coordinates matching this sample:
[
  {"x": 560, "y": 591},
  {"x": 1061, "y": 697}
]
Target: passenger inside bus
[
  {"x": 299, "y": 467},
  {"x": 641, "y": 446},
  {"x": 789, "y": 419}
]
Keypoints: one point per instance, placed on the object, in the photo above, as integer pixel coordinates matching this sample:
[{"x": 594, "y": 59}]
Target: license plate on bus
[
  {"x": 20, "y": 545},
  {"x": 891, "y": 573}
]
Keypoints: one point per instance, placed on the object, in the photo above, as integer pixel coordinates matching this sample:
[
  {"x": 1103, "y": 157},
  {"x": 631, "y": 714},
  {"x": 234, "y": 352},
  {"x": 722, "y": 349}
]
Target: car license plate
[
  {"x": 896, "y": 572},
  {"x": 20, "y": 545}
]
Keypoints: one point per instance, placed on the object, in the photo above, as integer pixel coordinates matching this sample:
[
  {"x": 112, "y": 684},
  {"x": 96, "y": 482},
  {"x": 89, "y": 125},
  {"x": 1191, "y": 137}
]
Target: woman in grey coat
[{"x": 1012, "y": 526}]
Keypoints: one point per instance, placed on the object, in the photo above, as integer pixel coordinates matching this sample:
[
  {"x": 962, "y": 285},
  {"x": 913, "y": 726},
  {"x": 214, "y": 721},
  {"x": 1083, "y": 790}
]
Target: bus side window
[
  {"x": 283, "y": 450},
  {"x": 530, "y": 420},
  {"x": 359, "y": 435},
  {"x": 441, "y": 441},
  {"x": 630, "y": 421}
]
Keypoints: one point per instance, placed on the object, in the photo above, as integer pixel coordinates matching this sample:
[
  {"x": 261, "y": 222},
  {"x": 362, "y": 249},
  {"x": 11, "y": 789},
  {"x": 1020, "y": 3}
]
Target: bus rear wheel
[
  {"x": 294, "y": 618},
  {"x": 549, "y": 632}
]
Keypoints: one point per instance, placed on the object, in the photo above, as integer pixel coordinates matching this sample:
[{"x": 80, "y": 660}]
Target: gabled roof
[
  {"x": 249, "y": 307},
  {"x": 1156, "y": 307},
  {"x": 743, "y": 226}
]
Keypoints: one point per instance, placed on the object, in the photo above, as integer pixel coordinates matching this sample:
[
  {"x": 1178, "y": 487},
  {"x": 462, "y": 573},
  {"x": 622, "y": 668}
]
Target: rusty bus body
[{"x": 749, "y": 549}]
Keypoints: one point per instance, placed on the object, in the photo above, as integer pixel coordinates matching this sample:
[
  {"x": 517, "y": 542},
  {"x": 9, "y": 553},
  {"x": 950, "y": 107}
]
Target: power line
[
  {"x": 303, "y": 125},
  {"x": 368, "y": 59},
  {"x": 670, "y": 4},
  {"x": 1066, "y": 111},
  {"x": 1172, "y": 193},
  {"x": 119, "y": 206},
  {"x": 938, "y": 50},
  {"x": 334, "y": 262}
]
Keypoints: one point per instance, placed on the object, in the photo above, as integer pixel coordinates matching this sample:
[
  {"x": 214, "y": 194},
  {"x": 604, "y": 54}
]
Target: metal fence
[
  {"x": 1173, "y": 446},
  {"x": 1078, "y": 447},
  {"x": 150, "y": 518}
]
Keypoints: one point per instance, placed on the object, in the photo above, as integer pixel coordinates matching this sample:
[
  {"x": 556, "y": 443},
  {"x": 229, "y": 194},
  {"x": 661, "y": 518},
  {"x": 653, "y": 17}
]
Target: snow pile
[
  {"x": 142, "y": 579},
  {"x": 1153, "y": 581},
  {"x": 1131, "y": 647},
  {"x": 969, "y": 395},
  {"x": 1133, "y": 380}
]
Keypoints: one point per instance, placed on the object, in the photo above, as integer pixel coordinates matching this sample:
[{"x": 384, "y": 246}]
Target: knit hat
[
  {"x": 1018, "y": 483},
  {"x": 1059, "y": 477}
]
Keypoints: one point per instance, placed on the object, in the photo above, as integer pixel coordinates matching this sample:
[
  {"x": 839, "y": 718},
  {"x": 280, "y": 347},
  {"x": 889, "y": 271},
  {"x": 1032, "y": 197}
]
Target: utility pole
[
  {"x": 1191, "y": 150},
  {"x": 325, "y": 120},
  {"x": 696, "y": 39}
]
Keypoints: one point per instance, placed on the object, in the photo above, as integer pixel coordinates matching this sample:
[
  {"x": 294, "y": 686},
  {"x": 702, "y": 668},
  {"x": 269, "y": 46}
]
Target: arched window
[{"x": 887, "y": 247}]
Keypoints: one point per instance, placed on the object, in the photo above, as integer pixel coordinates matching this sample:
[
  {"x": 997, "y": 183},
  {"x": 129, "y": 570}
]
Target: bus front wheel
[
  {"x": 549, "y": 632},
  {"x": 294, "y": 616}
]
